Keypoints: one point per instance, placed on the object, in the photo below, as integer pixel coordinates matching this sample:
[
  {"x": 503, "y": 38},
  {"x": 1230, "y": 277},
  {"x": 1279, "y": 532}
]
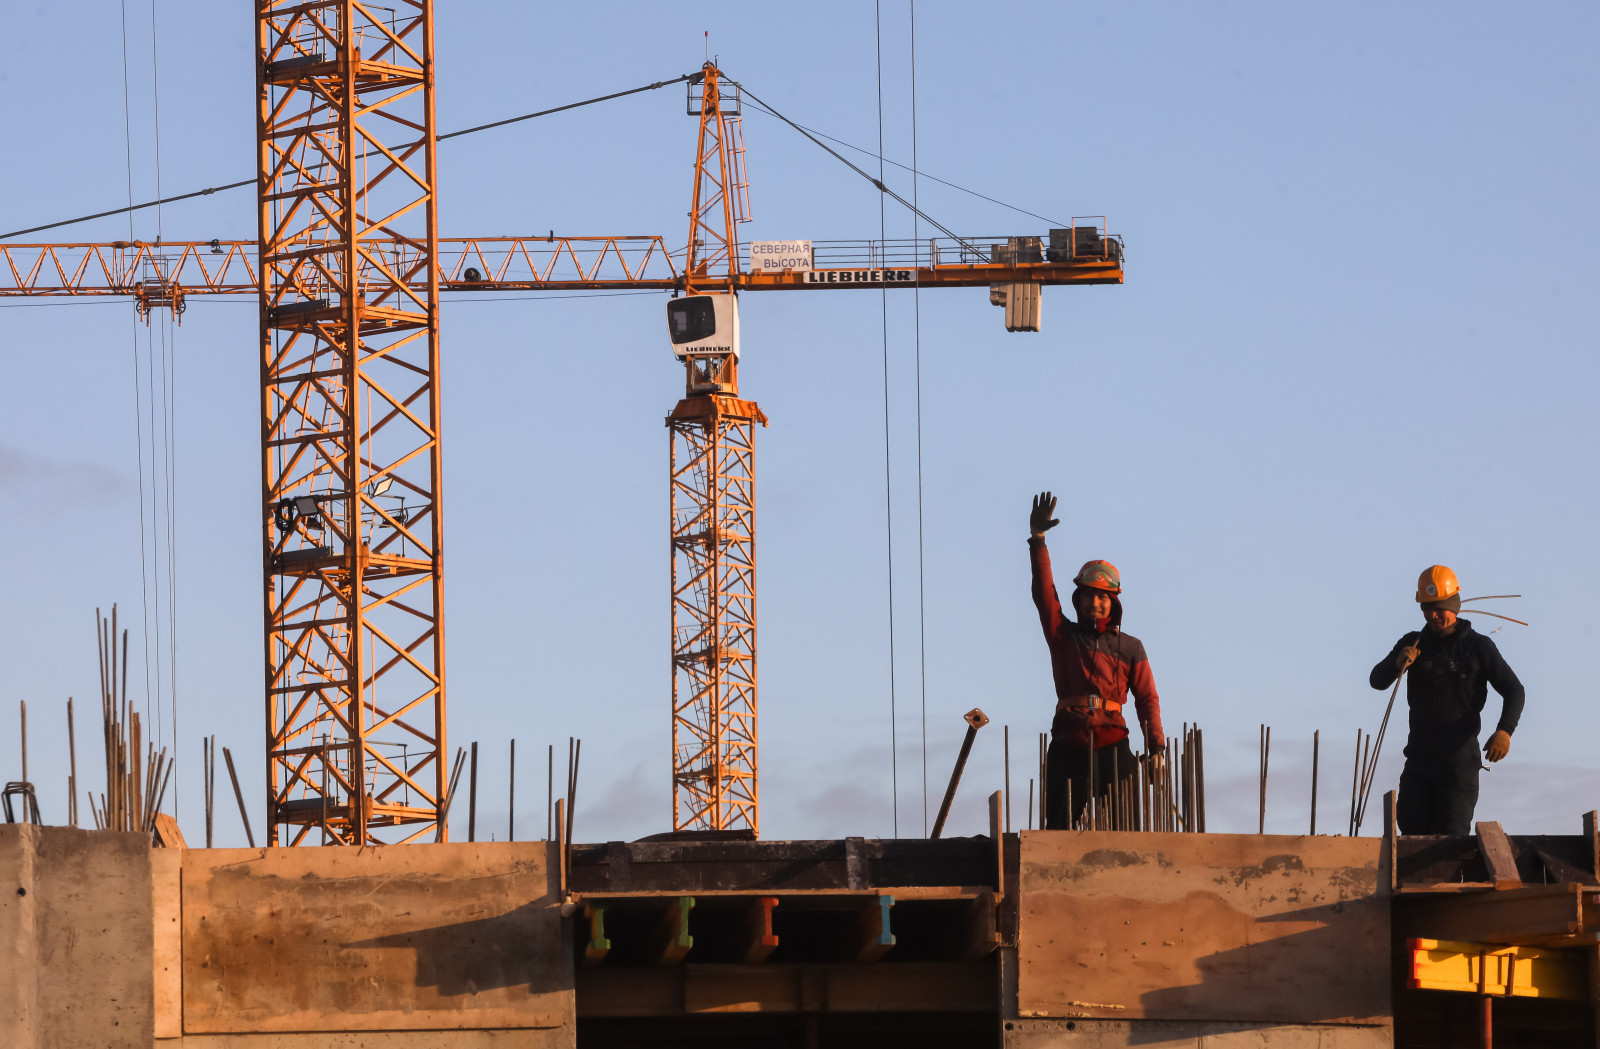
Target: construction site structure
[
  {"x": 348, "y": 268},
  {"x": 1013, "y": 940}
]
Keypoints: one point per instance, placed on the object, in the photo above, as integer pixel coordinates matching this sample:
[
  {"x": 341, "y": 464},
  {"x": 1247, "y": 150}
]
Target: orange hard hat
[
  {"x": 1099, "y": 575},
  {"x": 1437, "y": 583}
]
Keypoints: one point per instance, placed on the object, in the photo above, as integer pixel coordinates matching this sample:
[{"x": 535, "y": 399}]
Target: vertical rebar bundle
[
  {"x": 1163, "y": 792},
  {"x": 135, "y": 789}
]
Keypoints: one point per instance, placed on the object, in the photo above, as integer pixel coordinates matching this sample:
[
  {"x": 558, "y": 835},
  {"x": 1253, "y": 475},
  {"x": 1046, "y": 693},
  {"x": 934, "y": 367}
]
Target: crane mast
[
  {"x": 352, "y": 551},
  {"x": 712, "y": 506}
]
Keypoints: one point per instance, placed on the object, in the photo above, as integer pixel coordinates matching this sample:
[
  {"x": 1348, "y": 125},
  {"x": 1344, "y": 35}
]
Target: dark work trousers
[
  {"x": 1068, "y": 767},
  {"x": 1436, "y": 804}
]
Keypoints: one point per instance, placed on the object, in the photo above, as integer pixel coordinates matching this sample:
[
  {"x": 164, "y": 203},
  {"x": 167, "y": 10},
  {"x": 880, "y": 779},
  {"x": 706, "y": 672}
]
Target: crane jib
[{"x": 860, "y": 276}]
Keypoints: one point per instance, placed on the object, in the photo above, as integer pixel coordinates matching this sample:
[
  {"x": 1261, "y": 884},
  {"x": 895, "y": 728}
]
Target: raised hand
[{"x": 1042, "y": 517}]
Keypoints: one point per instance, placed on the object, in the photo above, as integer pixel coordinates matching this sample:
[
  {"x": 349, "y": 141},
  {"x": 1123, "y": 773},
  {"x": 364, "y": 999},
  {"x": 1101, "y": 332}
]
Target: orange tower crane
[
  {"x": 712, "y": 497},
  {"x": 348, "y": 269}
]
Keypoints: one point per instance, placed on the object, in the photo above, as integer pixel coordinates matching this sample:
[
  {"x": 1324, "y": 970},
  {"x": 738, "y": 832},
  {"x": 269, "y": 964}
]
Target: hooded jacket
[
  {"x": 1446, "y": 690},
  {"x": 1085, "y": 661}
]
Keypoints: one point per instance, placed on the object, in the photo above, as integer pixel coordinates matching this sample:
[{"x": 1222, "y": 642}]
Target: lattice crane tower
[
  {"x": 350, "y": 420},
  {"x": 713, "y": 499}
]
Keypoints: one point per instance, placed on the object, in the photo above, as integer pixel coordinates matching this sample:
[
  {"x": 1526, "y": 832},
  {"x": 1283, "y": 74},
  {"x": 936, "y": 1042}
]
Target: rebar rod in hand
[{"x": 1370, "y": 770}]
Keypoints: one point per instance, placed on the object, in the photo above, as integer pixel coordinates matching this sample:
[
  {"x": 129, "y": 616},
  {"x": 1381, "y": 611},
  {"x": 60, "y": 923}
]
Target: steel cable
[
  {"x": 888, "y": 482},
  {"x": 250, "y": 181},
  {"x": 916, "y": 313}
]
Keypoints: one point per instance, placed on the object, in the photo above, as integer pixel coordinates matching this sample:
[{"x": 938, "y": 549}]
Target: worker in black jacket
[{"x": 1451, "y": 666}]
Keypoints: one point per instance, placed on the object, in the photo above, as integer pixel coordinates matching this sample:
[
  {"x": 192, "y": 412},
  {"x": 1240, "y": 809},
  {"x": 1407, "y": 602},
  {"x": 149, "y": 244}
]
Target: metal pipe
[
  {"x": 1316, "y": 744},
  {"x": 441, "y": 822},
  {"x": 208, "y": 748},
  {"x": 975, "y": 720},
  {"x": 1266, "y": 750},
  {"x": 72, "y": 774},
  {"x": 1044, "y": 769},
  {"x": 238, "y": 795},
  {"x": 1094, "y": 786},
  {"x": 572, "y": 787},
  {"x": 511, "y": 820},
  {"x": 472, "y": 796},
  {"x": 1355, "y": 780},
  {"x": 1006, "y": 735}
]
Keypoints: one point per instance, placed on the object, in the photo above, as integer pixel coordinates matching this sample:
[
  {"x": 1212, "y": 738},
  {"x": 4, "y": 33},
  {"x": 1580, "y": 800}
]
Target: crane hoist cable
[
  {"x": 916, "y": 174},
  {"x": 250, "y": 181},
  {"x": 841, "y": 158}
]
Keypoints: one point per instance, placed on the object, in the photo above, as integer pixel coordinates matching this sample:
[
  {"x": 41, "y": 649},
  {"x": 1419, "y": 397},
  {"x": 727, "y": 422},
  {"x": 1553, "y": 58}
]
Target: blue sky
[{"x": 1355, "y": 339}]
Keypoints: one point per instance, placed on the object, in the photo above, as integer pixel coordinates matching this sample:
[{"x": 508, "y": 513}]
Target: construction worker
[
  {"x": 1451, "y": 666},
  {"x": 1095, "y": 666}
]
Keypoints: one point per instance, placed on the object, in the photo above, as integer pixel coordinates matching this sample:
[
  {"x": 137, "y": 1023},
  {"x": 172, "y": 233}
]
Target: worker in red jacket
[{"x": 1095, "y": 666}]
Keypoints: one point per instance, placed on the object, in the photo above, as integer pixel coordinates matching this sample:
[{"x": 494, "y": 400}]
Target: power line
[
  {"x": 888, "y": 477},
  {"x": 250, "y": 181},
  {"x": 138, "y": 415},
  {"x": 916, "y": 298}
]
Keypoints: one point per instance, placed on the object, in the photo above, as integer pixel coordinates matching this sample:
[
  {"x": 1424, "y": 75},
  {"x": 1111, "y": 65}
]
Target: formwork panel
[
  {"x": 1242, "y": 928},
  {"x": 424, "y": 937}
]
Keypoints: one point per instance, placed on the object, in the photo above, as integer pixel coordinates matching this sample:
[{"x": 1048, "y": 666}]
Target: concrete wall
[
  {"x": 105, "y": 942},
  {"x": 1189, "y": 939},
  {"x": 75, "y": 920},
  {"x": 413, "y": 938}
]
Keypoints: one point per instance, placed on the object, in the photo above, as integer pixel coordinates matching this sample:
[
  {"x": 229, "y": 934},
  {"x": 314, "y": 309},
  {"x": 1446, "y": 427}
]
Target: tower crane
[{"x": 348, "y": 269}]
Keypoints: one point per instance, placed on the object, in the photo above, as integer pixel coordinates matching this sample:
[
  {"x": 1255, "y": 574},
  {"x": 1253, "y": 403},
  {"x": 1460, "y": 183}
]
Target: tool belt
[{"x": 1113, "y": 706}]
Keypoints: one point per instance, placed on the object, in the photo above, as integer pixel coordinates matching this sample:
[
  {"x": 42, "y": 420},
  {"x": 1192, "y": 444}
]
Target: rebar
[
  {"x": 472, "y": 796},
  {"x": 1266, "y": 748},
  {"x": 72, "y": 767},
  {"x": 1316, "y": 745},
  {"x": 1006, "y": 735},
  {"x": 238, "y": 795},
  {"x": 572, "y": 786}
]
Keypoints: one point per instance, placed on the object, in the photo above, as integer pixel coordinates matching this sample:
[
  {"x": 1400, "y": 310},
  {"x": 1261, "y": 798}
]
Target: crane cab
[{"x": 704, "y": 325}]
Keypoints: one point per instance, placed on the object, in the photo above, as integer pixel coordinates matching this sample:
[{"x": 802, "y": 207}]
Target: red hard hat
[{"x": 1099, "y": 575}]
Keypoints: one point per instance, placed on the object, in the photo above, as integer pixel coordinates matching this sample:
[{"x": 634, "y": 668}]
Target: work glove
[
  {"x": 1407, "y": 656},
  {"x": 1499, "y": 745},
  {"x": 1154, "y": 763},
  {"x": 1042, "y": 518}
]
